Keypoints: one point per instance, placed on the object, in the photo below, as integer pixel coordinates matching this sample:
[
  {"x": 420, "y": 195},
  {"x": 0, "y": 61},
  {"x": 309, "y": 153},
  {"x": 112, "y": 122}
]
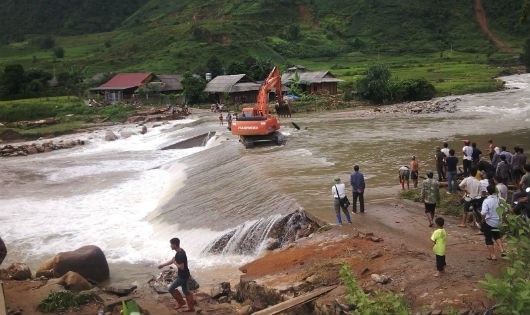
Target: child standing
[{"x": 439, "y": 240}]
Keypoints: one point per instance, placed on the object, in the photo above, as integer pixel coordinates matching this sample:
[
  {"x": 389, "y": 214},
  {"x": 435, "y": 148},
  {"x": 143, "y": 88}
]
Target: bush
[
  {"x": 449, "y": 204},
  {"x": 117, "y": 112},
  {"x": 39, "y": 108},
  {"x": 62, "y": 301},
  {"x": 511, "y": 289},
  {"x": 411, "y": 90}
]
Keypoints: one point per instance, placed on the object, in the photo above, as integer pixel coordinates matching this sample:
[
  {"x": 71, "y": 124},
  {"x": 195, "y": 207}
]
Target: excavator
[{"x": 256, "y": 124}]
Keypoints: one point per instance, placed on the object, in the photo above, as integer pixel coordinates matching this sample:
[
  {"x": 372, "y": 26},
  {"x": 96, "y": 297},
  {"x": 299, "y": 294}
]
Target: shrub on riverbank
[
  {"x": 368, "y": 304},
  {"x": 511, "y": 288},
  {"x": 60, "y": 115},
  {"x": 449, "y": 204},
  {"x": 42, "y": 107}
]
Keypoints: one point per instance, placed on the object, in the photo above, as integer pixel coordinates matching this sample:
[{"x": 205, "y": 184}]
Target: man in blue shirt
[{"x": 357, "y": 187}]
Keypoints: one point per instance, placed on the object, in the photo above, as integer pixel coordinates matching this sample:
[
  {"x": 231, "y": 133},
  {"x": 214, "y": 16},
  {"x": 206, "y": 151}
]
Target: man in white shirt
[
  {"x": 471, "y": 185},
  {"x": 338, "y": 191},
  {"x": 491, "y": 222},
  {"x": 467, "y": 160}
]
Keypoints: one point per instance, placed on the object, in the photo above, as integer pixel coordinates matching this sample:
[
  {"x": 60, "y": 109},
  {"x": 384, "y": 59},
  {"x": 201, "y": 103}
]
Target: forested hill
[
  {"x": 180, "y": 34},
  {"x": 62, "y": 17}
]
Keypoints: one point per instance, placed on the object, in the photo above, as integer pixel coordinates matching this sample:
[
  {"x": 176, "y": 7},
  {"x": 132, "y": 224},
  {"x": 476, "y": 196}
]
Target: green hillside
[{"x": 170, "y": 36}]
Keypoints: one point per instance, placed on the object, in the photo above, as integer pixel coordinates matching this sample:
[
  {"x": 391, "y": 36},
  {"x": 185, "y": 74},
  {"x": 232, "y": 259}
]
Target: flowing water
[{"x": 129, "y": 197}]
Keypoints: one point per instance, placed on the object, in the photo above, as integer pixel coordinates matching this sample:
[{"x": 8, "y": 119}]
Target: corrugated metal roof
[
  {"x": 245, "y": 86},
  {"x": 126, "y": 80},
  {"x": 172, "y": 82},
  {"x": 311, "y": 77},
  {"x": 223, "y": 83}
]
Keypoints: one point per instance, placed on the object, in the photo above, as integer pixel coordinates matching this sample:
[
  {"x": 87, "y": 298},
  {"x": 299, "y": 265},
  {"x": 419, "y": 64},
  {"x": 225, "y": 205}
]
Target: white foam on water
[{"x": 111, "y": 216}]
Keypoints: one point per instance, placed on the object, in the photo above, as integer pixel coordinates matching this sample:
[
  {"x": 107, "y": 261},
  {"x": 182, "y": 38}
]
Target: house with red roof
[{"x": 122, "y": 86}]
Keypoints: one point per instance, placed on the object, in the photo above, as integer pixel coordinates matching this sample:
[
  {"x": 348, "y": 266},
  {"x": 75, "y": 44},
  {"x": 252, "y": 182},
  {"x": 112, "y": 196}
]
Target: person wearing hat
[
  {"x": 338, "y": 191},
  {"x": 414, "y": 170},
  {"x": 430, "y": 194}
]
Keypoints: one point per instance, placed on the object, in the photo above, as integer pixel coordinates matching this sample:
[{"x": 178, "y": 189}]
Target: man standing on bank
[
  {"x": 183, "y": 274},
  {"x": 430, "y": 194},
  {"x": 338, "y": 191},
  {"x": 357, "y": 187}
]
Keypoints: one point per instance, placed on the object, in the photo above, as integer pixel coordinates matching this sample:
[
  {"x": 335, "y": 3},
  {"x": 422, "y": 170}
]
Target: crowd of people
[
  {"x": 485, "y": 186},
  {"x": 483, "y": 179}
]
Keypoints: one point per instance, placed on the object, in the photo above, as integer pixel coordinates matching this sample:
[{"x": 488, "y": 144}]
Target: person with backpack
[{"x": 338, "y": 191}]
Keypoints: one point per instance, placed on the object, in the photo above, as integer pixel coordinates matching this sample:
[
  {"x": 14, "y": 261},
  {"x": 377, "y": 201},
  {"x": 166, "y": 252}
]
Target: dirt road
[
  {"x": 404, "y": 253},
  {"x": 482, "y": 21}
]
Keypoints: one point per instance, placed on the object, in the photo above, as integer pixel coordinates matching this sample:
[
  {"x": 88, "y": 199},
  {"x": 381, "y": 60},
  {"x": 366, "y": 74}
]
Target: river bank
[
  {"x": 391, "y": 239},
  {"x": 402, "y": 250}
]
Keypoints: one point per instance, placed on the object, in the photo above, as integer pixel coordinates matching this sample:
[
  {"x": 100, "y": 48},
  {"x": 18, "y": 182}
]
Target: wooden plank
[
  {"x": 3, "y": 310},
  {"x": 299, "y": 300}
]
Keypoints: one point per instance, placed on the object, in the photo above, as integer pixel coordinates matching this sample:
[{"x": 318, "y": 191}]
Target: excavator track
[{"x": 250, "y": 141}]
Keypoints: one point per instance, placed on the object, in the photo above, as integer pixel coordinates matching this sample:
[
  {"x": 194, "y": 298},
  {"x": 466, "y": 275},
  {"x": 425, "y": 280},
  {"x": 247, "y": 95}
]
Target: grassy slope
[{"x": 438, "y": 40}]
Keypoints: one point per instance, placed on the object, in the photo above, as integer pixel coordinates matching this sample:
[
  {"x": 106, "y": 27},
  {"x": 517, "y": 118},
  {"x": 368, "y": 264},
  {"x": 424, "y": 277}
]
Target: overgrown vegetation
[
  {"x": 62, "y": 301},
  {"x": 441, "y": 43},
  {"x": 511, "y": 289},
  {"x": 371, "y": 304},
  {"x": 64, "y": 114},
  {"x": 449, "y": 204},
  {"x": 41, "y": 108},
  {"x": 379, "y": 87}
]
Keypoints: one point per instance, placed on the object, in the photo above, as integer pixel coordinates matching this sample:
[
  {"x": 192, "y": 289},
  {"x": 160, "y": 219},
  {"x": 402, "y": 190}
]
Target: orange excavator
[{"x": 256, "y": 124}]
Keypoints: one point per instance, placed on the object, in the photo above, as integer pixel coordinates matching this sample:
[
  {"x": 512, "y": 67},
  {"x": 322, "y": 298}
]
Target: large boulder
[
  {"x": 72, "y": 281},
  {"x": 89, "y": 261},
  {"x": 18, "y": 271},
  {"x": 110, "y": 136}
]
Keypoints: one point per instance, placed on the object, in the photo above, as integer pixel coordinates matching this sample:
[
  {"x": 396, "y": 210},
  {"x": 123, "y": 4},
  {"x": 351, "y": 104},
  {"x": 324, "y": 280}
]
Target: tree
[
  {"x": 236, "y": 68},
  {"x": 37, "y": 81},
  {"x": 411, "y": 90},
  {"x": 12, "y": 81},
  {"x": 261, "y": 68},
  {"x": 58, "y": 52},
  {"x": 215, "y": 66},
  {"x": 47, "y": 43},
  {"x": 511, "y": 286},
  {"x": 295, "y": 83},
  {"x": 525, "y": 57},
  {"x": 374, "y": 86},
  {"x": 293, "y": 32},
  {"x": 71, "y": 80},
  {"x": 525, "y": 12},
  {"x": 193, "y": 88}
]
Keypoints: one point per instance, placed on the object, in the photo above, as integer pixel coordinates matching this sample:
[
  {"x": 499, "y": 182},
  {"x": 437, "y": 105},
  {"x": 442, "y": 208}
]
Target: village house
[
  {"x": 234, "y": 89},
  {"x": 317, "y": 82},
  {"x": 124, "y": 87}
]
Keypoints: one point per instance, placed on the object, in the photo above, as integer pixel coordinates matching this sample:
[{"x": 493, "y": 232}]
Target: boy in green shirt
[{"x": 439, "y": 239}]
